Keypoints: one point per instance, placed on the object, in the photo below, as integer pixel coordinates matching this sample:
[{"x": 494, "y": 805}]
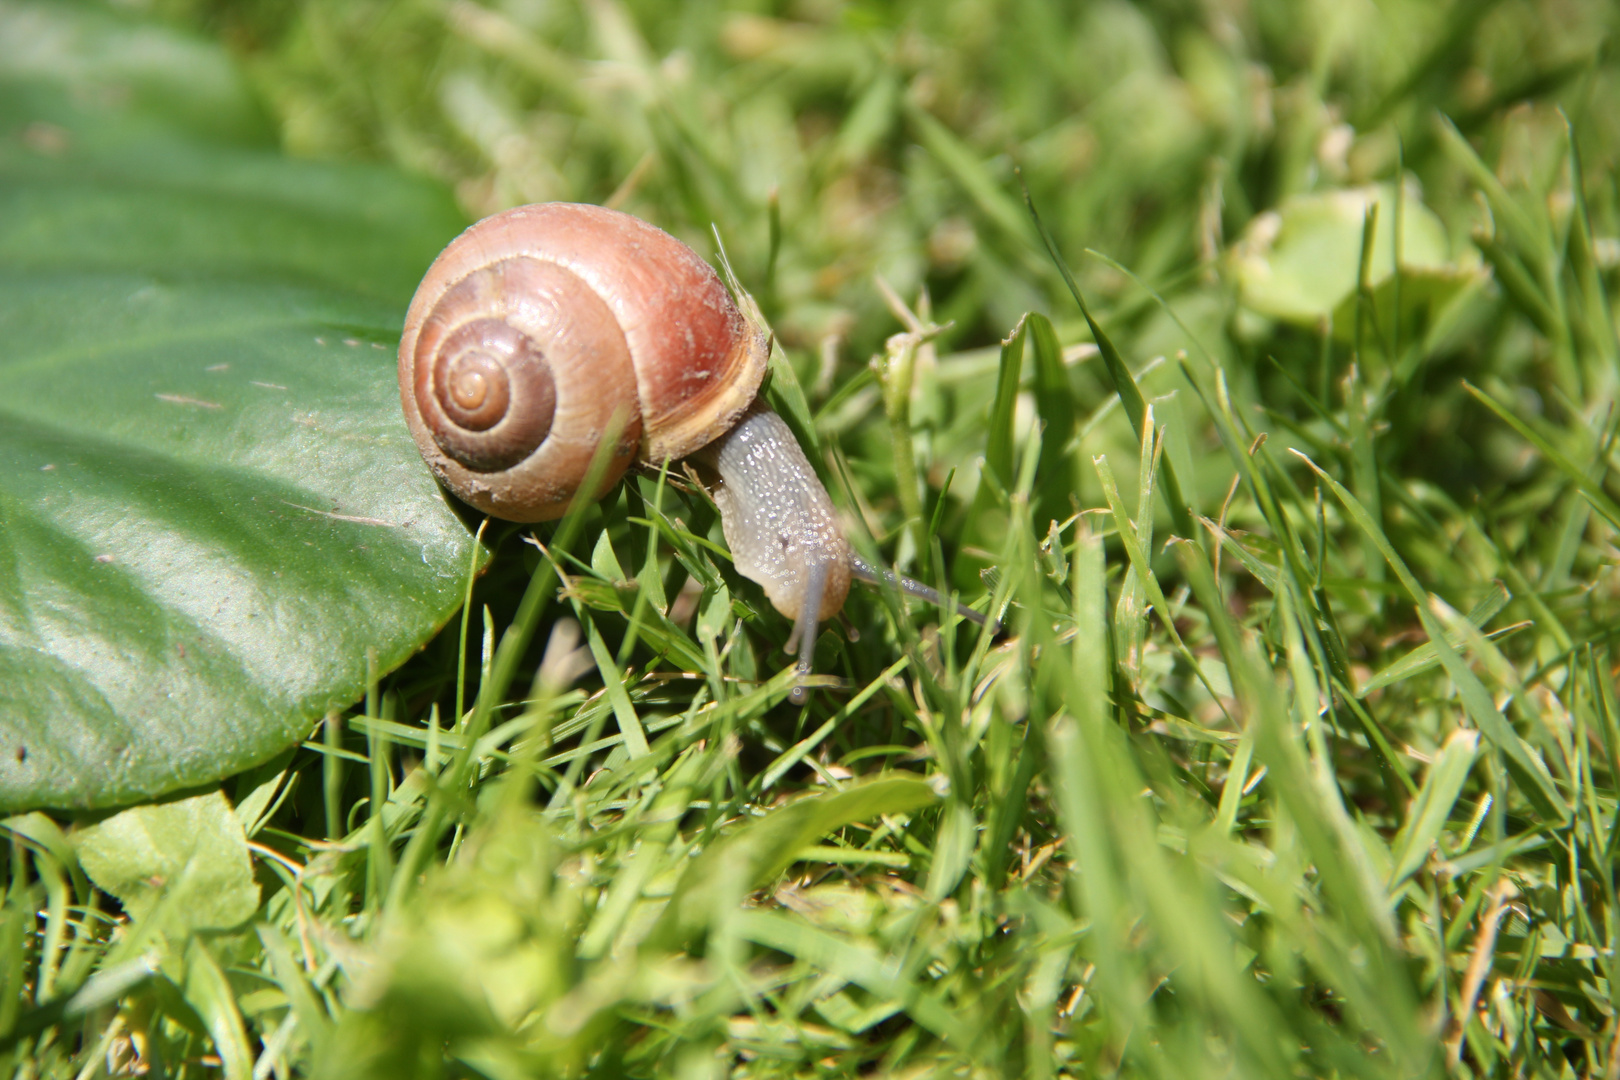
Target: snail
[{"x": 540, "y": 328}]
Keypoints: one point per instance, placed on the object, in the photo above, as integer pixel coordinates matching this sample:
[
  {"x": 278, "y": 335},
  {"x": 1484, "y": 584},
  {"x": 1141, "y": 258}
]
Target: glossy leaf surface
[{"x": 210, "y": 508}]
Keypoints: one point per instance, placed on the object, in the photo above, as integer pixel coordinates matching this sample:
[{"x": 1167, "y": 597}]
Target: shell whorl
[
  {"x": 540, "y": 330},
  {"x": 484, "y": 387}
]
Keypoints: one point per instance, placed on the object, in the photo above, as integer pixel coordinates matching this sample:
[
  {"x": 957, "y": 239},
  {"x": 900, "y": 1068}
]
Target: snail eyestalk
[
  {"x": 807, "y": 627},
  {"x": 872, "y": 575}
]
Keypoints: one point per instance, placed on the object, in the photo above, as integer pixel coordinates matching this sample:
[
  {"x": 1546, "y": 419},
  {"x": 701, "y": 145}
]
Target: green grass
[{"x": 1299, "y": 755}]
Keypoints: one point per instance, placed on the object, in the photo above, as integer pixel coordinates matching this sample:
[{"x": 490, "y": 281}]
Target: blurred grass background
[
  {"x": 832, "y": 143},
  {"x": 1329, "y": 790}
]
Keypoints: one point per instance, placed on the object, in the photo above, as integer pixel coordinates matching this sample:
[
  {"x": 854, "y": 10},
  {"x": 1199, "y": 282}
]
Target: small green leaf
[
  {"x": 1300, "y": 263},
  {"x": 191, "y": 855}
]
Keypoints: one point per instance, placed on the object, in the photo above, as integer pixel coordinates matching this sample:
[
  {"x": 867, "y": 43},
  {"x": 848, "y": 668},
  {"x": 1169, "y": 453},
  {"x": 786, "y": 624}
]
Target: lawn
[{"x": 1254, "y": 363}]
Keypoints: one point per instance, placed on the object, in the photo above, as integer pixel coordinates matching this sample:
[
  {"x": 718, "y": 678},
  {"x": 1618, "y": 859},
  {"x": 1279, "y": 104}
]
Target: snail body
[
  {"x": 779, "y": 522},
  {"x": 540, "y": 330}
]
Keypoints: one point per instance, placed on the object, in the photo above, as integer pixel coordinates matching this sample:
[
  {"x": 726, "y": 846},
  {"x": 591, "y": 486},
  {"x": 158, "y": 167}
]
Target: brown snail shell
[{"x": 540, "y": 329}]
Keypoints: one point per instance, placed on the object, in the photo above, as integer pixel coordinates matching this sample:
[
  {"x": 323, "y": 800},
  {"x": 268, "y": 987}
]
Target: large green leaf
[{"x": 210, "y": 509}]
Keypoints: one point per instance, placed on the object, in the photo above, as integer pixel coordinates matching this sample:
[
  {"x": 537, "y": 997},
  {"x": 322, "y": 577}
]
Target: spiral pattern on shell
[
  {"x": 487, "y": 389},
  {"x": 541, "y": 331}
]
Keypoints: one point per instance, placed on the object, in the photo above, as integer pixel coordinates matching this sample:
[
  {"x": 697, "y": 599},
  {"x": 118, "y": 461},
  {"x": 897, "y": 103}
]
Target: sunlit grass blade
[
  {"x": 502, "y": 668},
  {"x": 1600, "y": 500},
  {"x": 1425, "y": 657},
  {"x": 1538, "y": 785},
  {"x": 1054, "y": 402},
  {"x": 999, "y": 435},
  {"x": 1429, "y": 811},
  {"x": 1139, "y": 561},
  {"x": 1130, "y": 395}
]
